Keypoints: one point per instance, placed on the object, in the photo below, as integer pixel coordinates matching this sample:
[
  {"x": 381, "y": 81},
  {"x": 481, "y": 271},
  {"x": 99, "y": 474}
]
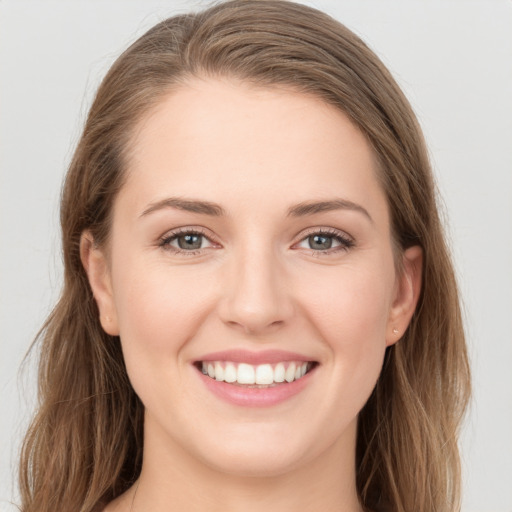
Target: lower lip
[{"x": 256, "y": 397}]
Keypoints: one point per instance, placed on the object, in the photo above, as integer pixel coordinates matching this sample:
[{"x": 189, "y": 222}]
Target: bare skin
[{"x": 251, "y": 219}]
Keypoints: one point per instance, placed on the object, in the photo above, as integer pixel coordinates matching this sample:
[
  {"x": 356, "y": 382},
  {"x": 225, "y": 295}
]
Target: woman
[{"x": 259, "y": 310}]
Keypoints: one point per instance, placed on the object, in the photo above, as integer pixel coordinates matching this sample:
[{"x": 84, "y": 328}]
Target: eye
[
  {"x": 321, "y": 242},
  {"x": 327, "y": 241},
  {"x": 186, "y": 241}
]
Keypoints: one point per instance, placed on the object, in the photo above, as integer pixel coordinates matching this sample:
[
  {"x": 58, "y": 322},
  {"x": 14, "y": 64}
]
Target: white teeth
[
  {"x": 219, "y": 371},
  {"x": 262, "y": 374},
  {"x": 279, "y": 372},
  {"x": 230, "y": 372},
  {"x": 290, "y": 373},
  {"x": 245, "y": 374}
]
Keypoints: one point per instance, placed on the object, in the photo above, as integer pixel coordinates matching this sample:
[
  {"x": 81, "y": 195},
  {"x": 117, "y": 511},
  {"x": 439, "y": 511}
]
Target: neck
[{"x": 172, "y": 479}]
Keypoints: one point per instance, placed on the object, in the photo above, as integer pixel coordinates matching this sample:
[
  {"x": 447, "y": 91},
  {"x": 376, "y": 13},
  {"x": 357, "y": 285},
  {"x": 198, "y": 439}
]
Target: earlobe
[
  {"x": 407, "y": 293},
  {"x": 98, "y": 273}
]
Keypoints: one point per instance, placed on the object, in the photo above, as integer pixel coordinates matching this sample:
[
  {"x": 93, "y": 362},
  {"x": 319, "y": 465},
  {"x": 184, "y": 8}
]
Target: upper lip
[{"x": 255, "y": 358}]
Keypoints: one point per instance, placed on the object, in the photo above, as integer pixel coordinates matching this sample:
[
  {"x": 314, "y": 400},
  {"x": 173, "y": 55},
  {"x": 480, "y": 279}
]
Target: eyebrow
[
  {"x": 312, "y": 207},
  {"x": 189, "y": 205},
  {"x": 214, "y": 209}
]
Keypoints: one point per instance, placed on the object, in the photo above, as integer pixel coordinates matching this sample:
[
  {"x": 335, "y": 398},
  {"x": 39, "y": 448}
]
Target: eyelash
[
  {"x": 168, "y": 238},
  {"x": 345, "y": 243}
]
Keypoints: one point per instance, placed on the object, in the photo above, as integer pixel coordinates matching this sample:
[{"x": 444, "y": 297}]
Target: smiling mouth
[{"x": 258, "y": 376}]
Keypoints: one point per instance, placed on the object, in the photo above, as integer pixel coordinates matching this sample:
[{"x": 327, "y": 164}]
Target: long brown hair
[{"x": 85, "y": 444}]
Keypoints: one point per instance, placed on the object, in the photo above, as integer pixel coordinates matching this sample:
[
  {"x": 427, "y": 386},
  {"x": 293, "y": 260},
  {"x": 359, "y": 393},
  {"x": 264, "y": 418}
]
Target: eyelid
[
  {"x": 324, "y": 230},
  {"x": 346, "y": 240},
  {"x": 170, "y": 235}
]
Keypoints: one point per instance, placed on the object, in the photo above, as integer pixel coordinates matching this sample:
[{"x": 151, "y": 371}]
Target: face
[{"x": 250, "y": 244}]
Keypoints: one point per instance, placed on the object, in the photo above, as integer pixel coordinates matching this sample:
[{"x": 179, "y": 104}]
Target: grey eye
[
  {"x": 189, "y": 241},
  {"x": 327, "y": 242},
  {"x": 320, "y": 242}
]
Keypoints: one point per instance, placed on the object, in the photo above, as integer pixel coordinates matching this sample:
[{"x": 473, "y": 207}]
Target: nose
[{"x": 256, "y": 298}]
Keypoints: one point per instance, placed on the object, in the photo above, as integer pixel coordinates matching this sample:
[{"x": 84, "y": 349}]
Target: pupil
[
  {"x": 189, "y": 242},
  {"x": 320, "y": 242}
]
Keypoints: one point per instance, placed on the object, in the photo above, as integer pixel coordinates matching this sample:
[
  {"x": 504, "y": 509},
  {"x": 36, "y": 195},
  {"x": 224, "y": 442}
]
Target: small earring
[{"x": 395, "y": 331}]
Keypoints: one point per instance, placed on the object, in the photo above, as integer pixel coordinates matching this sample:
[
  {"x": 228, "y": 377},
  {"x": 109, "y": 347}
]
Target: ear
[
  {"x": 97, "y": 269},
  {"x": 407, "y": 292}
]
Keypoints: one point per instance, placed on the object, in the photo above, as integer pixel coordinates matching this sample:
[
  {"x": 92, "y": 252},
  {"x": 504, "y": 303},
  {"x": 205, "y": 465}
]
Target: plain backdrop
[{"x": 452, "y": 58}]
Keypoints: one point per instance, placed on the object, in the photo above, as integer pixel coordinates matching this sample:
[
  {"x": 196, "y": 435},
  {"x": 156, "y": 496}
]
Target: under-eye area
[{"x": 261, "y": 375}]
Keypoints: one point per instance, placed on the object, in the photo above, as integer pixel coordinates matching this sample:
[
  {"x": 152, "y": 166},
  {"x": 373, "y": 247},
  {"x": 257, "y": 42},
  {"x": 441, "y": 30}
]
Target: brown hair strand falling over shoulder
[{"x": 84, "y": 446}]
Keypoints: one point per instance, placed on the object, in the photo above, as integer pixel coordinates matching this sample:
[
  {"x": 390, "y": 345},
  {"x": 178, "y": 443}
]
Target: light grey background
[{"x": 453, "y": 59}]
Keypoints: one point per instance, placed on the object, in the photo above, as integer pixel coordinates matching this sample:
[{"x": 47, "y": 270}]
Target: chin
[
  {"x": 256, "y": 464},
  {"x": 258, "y": 451}
]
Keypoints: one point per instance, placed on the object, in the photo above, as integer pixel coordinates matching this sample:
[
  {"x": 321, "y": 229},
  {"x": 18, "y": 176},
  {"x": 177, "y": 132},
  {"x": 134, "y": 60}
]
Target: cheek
[
  {"x": 355, "y": 302},
  {"x": 351, "y": 315},
  {"x": 159, "y": 310}
]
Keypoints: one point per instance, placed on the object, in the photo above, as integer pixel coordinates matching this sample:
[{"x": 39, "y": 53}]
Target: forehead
[{"x": 228, "y": 139}]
